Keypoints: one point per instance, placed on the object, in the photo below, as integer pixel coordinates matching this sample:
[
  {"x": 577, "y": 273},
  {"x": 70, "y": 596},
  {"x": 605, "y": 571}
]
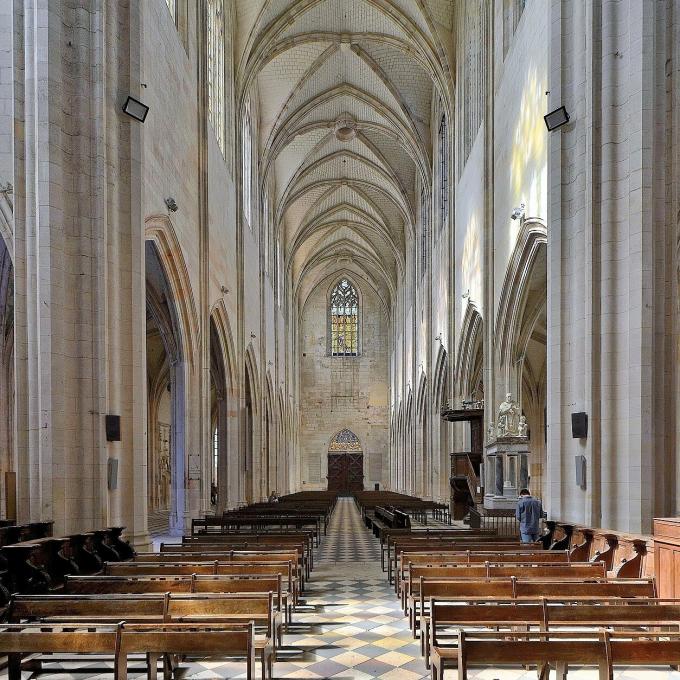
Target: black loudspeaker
[
  {"x": 112, "y": 476},
  {"x": 579, "y": 425},
  {"x": 376, "y": 487},
  {"x": 112, "y": 428}
]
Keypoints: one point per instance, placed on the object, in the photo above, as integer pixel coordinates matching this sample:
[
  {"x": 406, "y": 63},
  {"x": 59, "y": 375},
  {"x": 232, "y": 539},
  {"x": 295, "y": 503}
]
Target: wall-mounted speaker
[
  {"x": 112, "y": 428},
  {"x": 579, "y": 425},
  {"x": 112, "y": 474},
  {"x": 580, "y": 469}
]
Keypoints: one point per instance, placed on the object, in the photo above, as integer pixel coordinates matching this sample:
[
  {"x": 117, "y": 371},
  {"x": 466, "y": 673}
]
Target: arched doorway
[
  {"x": 8, "y": 508},
  {"x": 522, "y": 340},
  {"x": 345, "y": 463},
  {"x": 165, "y": 400},
  {"x": 218, "y": 418}
]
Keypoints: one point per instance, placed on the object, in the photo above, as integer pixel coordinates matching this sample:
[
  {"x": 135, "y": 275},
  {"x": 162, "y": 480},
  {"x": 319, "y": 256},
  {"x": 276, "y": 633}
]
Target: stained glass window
[
  {"x": 344, "y": 309},
  {"x": 345, "y": 440}
]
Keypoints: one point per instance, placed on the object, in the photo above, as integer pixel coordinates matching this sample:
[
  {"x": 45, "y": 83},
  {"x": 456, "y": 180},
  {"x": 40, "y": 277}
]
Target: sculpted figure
[
  {"x": 508, "y": 415},
  {"x": 522, "y": 427}
]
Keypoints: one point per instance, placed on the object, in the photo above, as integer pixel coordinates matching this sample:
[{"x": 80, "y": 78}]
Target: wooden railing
[{"x": 501, "y": 521}]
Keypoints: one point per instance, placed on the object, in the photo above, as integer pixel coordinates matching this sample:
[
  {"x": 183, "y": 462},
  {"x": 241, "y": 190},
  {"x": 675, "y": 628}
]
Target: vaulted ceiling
[{"x": 344, "y": 89}]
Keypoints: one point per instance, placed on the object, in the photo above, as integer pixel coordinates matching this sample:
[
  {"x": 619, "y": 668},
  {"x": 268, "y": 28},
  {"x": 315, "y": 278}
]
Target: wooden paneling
[{"x": 667, "y": 556}]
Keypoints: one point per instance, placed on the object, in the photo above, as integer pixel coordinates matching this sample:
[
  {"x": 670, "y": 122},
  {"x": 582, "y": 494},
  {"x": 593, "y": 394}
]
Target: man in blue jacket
[{"x": 529, "y": 513}]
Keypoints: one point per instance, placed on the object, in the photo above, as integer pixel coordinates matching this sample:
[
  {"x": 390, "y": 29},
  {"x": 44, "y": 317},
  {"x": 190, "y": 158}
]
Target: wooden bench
[
  {"x": 230, "y": 556},
  {"x": 31, "y": 638},
  {"x": 469, "y": 557},
  {"x": 91, "y": 585},
  {"x": 156, "y": 609},
  {"x": 304, "y": 547},
  {"x": 603, "y": 648},
  {"x": 568, "y": 572},
  {"x": 418, "y": 532},
  {"x": 285, "y": 569},
  {"x": 172, "y": 639},
  {"x": 521, "y": 589},
  {"x": 473, "y": 543}
]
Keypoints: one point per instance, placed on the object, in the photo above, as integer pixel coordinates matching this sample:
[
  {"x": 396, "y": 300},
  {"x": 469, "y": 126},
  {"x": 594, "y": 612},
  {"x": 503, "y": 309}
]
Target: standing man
[{"x": 529, "y": 514}]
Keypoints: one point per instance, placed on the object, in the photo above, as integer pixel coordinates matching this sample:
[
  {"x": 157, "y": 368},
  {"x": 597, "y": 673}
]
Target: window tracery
[
  {"x": 345, "y": 440},
  {"x": 344, "y": 320}
]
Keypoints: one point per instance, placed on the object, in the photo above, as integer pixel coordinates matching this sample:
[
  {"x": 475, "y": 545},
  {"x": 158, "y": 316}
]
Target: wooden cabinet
[{"x": 667, "y": 556}]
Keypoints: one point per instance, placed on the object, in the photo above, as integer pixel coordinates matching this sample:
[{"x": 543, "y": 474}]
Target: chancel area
[{"x": 340, "y": 339}]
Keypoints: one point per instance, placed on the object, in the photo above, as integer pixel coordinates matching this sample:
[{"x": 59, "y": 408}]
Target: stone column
[
  {"x": 79, "y": 272},
  {"x": 611, "y": 241}
]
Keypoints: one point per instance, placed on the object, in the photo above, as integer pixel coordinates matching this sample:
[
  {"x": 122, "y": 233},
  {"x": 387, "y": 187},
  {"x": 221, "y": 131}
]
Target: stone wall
[{"x": 343, "y": 392}]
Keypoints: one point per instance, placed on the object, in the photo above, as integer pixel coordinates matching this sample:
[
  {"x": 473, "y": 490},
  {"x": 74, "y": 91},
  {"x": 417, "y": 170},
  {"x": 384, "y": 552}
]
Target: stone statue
[
  {"x": 508, "y": 417},
  {"x": 522, "y": 427},
  {"x": 491, "y": 431}
]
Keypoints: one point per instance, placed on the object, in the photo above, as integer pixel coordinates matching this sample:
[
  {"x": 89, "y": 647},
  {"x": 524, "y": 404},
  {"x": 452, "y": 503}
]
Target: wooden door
[
  {"x": 355, "y": 472},
  {"x": 345, "y": 472}
]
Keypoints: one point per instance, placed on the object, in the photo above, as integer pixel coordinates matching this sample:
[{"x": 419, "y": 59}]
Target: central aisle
[{"x": 352, "y": 626}]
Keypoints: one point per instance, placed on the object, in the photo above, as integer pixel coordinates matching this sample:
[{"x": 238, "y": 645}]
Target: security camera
[
  {"x": 518, "y": 212},
  {"x": 171, "y": 204}
]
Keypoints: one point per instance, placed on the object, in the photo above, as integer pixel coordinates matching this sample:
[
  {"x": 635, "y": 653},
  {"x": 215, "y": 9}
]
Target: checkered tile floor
[
  {"x": 350, "y": 626},
  {"x": 348, "y": 539}
]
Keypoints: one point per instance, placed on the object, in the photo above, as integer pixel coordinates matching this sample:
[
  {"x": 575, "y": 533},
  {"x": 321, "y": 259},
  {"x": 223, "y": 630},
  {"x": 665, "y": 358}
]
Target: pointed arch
[
  {"x": 160, "y": 230},
  {"x": 469, "y": 361},
  {"x": 531, "y": 246},
  {"x": 220, "y": 317}
]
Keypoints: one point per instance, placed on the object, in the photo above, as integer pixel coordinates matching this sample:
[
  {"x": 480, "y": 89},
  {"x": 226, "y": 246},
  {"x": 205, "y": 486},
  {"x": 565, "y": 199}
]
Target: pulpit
[{"x": 466, "y": 465}]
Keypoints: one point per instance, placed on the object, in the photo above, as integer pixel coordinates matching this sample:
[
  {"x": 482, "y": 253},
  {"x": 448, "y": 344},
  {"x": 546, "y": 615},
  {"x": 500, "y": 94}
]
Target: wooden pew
[
  {"x": 418, "y": 532},
  {"x": 217, "y": 542},
  {"x": 472, "y": 543},
  {"x": 31, "y": 638},
  {"x": 545, "y": 615},
  {"x": 285, "y": 569},
  {"x": 229, "y": 556},
  {"x": 469, "y": 557},
  {"x": 156, "y": 609},
  {"x": 523, "y": 589},
  {"x": 571, "y": 571},
  {"x": 219, "y": 640},
  {"x": 218, "y": 562},
  {"x": 91, "y": 585},
  {"x": 602, "y": 648}
]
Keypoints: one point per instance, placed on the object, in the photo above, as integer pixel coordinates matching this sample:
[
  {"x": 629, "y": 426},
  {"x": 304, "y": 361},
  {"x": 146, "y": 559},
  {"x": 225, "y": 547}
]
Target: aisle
[{"x": 352, "y": 626}]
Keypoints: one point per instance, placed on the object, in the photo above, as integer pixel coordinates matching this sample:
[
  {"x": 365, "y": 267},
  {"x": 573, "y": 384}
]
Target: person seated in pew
[{"x": 529, "y": 514}]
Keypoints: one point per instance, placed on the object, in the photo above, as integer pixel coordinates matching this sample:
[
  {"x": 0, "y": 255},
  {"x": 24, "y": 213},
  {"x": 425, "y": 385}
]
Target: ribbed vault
[{"x": 344, "y": 91}]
